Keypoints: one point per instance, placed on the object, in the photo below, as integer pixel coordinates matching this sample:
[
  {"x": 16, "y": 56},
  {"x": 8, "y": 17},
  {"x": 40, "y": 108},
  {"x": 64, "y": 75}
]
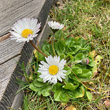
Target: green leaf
[
  {"x": 74, "y": 49},
  {"x": 68, "y": 69},
  {"x": 59, "y": 34},
  {"x": 91, "y": 62},
  {"x": 89, "y": 95},
  {"x": 69, "y": 55},
  {"x": 62, "y": 56},
  {"x": 77, "y": 70},
  {"x": 98, "y": 59},
  {"x": 57, "y": 86},
  {"x": 70, "y": 86},
  {"x": 92, "y": 54},
  {"x": 46, "y": 93},
  {"x": 60, "y": 93},
  {"x": 45, "y": 90},
  {"x": 81, "y": 72},
  {"x": 97, "y": 62},
  {"x": 34, "y": 88},
  {"x": 77, "y": 93},
  {"x": 42, "y": 88},
  {"x": 86, "y": 73},
  {"x": 39, "y": 79},
  {"x": 38, "y": 84},
  {"x": 64, "y": 97},
  {"x": 69, "y": 41},
  {"x": 60, "y": 47},
  {"x": 57, "y": 95},
  {"x": 87, "y": 48},
  {"x": 79, "y": 57}
]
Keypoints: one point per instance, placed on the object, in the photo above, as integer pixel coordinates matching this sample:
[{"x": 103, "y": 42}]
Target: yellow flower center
[
  {"x": 26, "y": 32},
  {"x": 53, "y": 69}
]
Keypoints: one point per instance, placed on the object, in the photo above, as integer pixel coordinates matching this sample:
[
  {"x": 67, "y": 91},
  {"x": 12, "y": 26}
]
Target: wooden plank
[
  {"x": 11, "y": 51},
  {"x": 9, "y": 48},
  {"x": 7, "y": 69},
  {"x": 13, "y": 10}
]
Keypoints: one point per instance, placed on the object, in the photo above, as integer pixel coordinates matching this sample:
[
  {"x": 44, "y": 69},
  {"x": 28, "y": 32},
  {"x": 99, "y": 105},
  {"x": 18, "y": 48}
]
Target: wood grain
[
  {"x": 9, "y": 49},
  {"x": 13, "y": 10},
  {"x": 7, "y": 69}
]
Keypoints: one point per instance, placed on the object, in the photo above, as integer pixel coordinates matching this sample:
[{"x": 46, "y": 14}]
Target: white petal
[
  {"x": 44, "y": 64},
  {"x": 49, "y": 60},
  {"x": 25, "y": 23},
  {"x": 43, "y": 71},
  {"x": 61, "y": 64},
  {"x": 59, "y": 77},
  {"x": 15, "y": 34},
  {"x": 46, "y": 76}
]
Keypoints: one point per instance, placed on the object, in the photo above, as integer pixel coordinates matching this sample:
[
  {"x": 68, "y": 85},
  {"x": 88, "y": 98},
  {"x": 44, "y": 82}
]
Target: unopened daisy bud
[
  {"x": 55, "y": 25},
  {"x": 85, "y": 61}
]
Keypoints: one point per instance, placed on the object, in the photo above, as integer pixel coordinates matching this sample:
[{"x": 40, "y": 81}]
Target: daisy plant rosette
[
  {"x": 63, "y": 76},
  {"x": 25, "y": 30}
]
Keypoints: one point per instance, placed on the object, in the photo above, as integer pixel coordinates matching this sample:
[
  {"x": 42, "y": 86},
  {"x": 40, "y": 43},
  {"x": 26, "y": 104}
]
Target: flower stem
[
  {"x": 53, "y": 46},
  {"x": 38, "y": 49}
]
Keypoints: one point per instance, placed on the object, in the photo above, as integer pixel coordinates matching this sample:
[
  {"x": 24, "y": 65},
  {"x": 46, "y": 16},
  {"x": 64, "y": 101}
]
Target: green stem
[{"x": 53, "y": 46}]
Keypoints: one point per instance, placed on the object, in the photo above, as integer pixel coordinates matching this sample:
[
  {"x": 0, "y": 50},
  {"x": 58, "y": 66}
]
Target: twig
[{"x": 4, "y": 37}]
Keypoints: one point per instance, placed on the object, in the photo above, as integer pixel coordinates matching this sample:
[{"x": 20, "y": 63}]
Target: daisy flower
[
  {"x": 25, "y": 30},
  {"x": 52, "y": 71},
  {"x": 55, "y": 25}
]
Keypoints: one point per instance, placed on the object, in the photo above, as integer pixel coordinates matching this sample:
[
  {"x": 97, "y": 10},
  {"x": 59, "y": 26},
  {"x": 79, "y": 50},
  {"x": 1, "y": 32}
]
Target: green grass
[
  {"x": 89, "y": 19},
  {"x": 34, "y": 102}
]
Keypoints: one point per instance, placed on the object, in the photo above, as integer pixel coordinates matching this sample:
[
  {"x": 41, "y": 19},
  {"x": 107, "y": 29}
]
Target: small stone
[{"x": 107, "y": 103}]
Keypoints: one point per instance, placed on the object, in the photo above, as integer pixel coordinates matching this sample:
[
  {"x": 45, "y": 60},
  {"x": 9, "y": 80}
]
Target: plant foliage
[{"x": 79, "y": 69}]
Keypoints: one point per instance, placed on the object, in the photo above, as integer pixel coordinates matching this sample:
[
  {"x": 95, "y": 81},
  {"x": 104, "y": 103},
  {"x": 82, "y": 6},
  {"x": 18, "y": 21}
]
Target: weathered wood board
[
  {"x": 7, "y": 69},
  {"x": 9, "y": 49},
  {"x": 12, "y": 10},
  {"x": 12, "y": 54}
]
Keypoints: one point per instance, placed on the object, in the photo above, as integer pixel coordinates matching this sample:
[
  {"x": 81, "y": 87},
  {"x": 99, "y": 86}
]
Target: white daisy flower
[
  {"x": 55, "y": 25},
  {"x": 25, "y": 29},
  {"x": 52, "y": 70}
]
